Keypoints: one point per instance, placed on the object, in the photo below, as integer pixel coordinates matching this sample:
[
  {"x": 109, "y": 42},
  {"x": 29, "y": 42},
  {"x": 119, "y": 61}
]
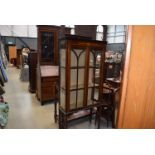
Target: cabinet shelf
[
  {"x": 80, "y": 67},
  {"x": 80, "y": 87}
]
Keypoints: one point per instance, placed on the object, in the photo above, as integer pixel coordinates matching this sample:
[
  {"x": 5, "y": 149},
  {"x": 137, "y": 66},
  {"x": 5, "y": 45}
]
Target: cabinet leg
[
  {"x": 98, "y": 113},
  {"x": 55, "y": 111},
  {"x": 90, "y": 116},
  {"x": 42, "y": 103}
]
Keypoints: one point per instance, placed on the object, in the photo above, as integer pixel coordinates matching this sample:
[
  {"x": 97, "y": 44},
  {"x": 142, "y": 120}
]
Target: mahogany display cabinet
[{"x": 81, "y": 63}]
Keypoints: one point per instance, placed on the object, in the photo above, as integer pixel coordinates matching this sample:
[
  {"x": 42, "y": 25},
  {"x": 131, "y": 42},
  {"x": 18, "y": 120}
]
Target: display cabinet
[{"x": 81, "y": 64}]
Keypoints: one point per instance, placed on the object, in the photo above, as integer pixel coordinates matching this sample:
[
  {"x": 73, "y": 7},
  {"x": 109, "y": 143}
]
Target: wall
[
  {"x": 86, "y": 30},
  {"x": 32, "y": 42},
  {"x": 19, "y": 30}
]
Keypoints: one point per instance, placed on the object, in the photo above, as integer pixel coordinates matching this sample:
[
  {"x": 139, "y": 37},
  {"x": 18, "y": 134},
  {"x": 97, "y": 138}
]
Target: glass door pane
[
  {"x": 47, "y": 46},
  {"x": 95, "y": 73},
  {"x": 77, "y": 78},
  {"x": 62, "y": 56}
]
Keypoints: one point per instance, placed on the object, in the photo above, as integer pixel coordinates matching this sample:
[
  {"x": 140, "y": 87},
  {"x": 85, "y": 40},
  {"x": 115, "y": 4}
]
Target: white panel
[
  {"x": 99, "y": 28},
  {"x": 6, "y": 30},
  {"x": 99, "y": 36},
  {"x": 32, "y": 31},
  {"x": 20, "y": 30}
]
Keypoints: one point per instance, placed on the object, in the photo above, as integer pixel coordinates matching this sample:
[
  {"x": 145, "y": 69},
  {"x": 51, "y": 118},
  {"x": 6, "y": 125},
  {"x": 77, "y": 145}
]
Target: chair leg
[{"x": 113, "y": 119}]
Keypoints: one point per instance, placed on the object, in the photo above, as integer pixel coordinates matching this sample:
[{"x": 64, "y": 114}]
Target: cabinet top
[
  {"x": 80, "y": 38},
  {"x": 48, "y": 71},
  {"x": 48, "y": 27}
]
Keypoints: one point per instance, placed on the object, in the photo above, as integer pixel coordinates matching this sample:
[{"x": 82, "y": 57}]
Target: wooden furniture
[
  {"x": 18, "y": 59},
  {"x": 32, "y": 62},
  {"x": 113, "y": 69},
  {"x": 137, "y": 105},
  {"x": 48, "y": 44},
  {"x": 12, "y": 54},
  {"x": 110, "y": 98},
  {"x": 47, "y": 76},
  {"x": 81, "y": 60},
  {"x": 46, "y": 83}
]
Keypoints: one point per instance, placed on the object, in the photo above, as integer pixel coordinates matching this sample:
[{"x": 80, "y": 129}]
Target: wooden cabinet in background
[
  {"x": 13, "y": 54},
  {"x": 18, "y": 59},
  {"x": 48, "y": 44},
  {"x": 32, "y": 62}
]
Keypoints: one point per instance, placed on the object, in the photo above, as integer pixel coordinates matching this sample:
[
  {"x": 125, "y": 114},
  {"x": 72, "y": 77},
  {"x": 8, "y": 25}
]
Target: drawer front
[
  {"x": 48, "y": 79},
  {"x": 48, "y": 93},
  {"x": 48, "y": 84}
]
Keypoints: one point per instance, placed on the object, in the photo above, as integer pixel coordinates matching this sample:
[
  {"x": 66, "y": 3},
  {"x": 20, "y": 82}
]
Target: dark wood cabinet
[
  {"x": 32, "y": 62},
  {"x": 81, "y": 63},
  {"x": 18, "y": 59}
]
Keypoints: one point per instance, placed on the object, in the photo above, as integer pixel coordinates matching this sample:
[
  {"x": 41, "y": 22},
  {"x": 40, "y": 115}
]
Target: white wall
[{"x": 19, "y": 30}]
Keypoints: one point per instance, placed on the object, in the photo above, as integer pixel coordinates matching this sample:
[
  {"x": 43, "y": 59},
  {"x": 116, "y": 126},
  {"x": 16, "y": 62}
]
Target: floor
[{"x": 26, "y": 111}]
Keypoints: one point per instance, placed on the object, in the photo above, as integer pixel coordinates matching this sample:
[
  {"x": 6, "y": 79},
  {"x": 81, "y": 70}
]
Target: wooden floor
[{"x": 27, "y": 113}]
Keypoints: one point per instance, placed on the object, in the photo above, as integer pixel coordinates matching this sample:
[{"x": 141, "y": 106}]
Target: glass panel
[
  {"x": 47, "y": 45},
  {"x": 73, "y": 99},
  {"x": 73, "y": 80},
  {"x": 63, "y": 58},
  {"x": 62, "y": 98},
  {"x": 119, "y": 28},
  {"x": 94, "y": 73},
  {"x": 119, "y": 39},
  {"x": 120, "y": 34},
  {"x": 63, "y": 78},
  {"x": 81, "y": 78},
  {"x": 111, "y": 28},
  {"x": 77, "y": 58},
  {"x": 76, "y": 99},
  {"x": 80, "y": 98},
  {"x": 96, "y": 93},
  {"x": 77, "y": 78},
  {"x": 110, "y": 39},
  {"x": 90, "y": 93},
  {"x": 97, "y": 75}
]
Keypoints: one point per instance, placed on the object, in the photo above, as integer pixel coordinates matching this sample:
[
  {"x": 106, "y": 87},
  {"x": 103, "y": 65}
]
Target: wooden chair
[{"x": 107, "y": 111}]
